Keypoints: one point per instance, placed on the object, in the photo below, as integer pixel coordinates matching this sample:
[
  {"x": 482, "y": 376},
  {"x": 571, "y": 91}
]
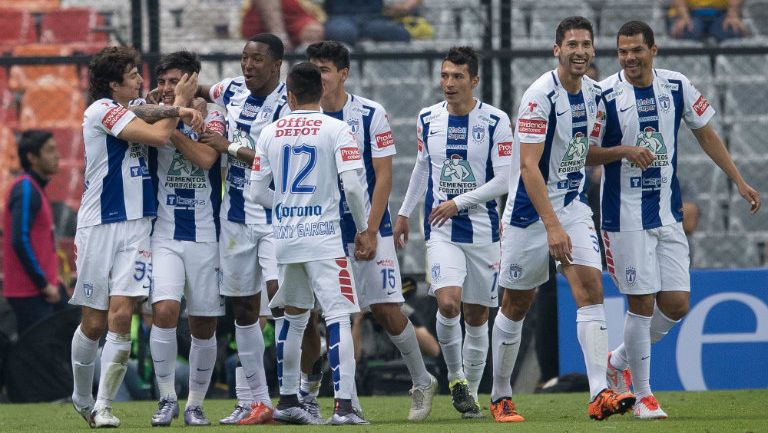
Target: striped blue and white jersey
[
  {"x": 247, "y": 115},
  {"x": 633, "y": 199},
  {"x": 370, "y": 127},
  {"x": 463, "y": 153},
  {"x": 562, "y": 121},
  {"x": 188, "y": 197},
  {"x": 118, "y": 185}
]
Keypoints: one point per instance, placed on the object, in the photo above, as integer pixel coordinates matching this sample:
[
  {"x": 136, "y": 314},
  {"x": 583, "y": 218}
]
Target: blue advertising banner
[{"x": 721, "y": 344}]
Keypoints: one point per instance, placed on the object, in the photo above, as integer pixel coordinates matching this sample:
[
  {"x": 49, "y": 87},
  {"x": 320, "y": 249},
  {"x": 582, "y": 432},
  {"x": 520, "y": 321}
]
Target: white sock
[
  {"x": 202, "y": 358},
  {"x": 660, "y": 324},
  {"x": 593, "y": 338},
  {"x": 84, "y": 351},
  {"x": 341, "y": 355},
  {"x": 242, "y": 389},
  {"x": 637, "y": 337},
  {"x": 114, "y": 363},
  {"x": 163, "y": 346},
  {"x": 506, "y": 336},
  {"x": 619, "y": 357},
  {"x": 278, "y": 327},
  {"x": 449, "y": 337},
  {"x": 289, "y": 351},
  {"x": 310, "y": 385},
  {"x": 250, "y": 350},
  {"x": 408, "y": 346},
  {"x": 475, "y": 353}
]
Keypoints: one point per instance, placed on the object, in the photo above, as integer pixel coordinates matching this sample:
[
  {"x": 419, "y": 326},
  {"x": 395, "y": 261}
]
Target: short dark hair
[
  {"x": 275, "y": 45},
  {"x": 464, "y": 56},
  {"x": 334, "y": 51},
  {"x": 573, "y": 23},
  {"x": 305, "y": 83},
  {"x": 31, "y": 141},
  {"x": 185, "y": 61},
  {"x": 107, "y": 66},
  {"x": 632, "y": 28}
]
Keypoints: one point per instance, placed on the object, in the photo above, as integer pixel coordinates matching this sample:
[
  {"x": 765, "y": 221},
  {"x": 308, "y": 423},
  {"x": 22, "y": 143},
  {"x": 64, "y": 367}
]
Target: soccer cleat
[
  {"x": 608, "y": 402},
  {"x": 648, "y": 408},
  {"x": 260, "y": 414},
  {"x": 296, "y": 415},
  {"x": 421, "y": 400},
  {"x": 194, "y": 416},
  {"x": 103, "y": 417},
  {"x": 167, "y": 410},
  {"x": 85, "y": 412},
  {"x": 475, "y": 412},
  {"x": 618, "y": 380},
  {"x": 241, "y": 411},
  {"x": 504, "y": 410},
  {"x": 311, "y": 405},
  {"x": 351, "y": 418},
  {"x": 460, "y": 397}
]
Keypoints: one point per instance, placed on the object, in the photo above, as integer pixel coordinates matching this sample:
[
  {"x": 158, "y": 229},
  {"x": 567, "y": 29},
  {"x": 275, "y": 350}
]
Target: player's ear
[
  {"x": 475, "y": 80},
  {"x": 344, "y": 74}
]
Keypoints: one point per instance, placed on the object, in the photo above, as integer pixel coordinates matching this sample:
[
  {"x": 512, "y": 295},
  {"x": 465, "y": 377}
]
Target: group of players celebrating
[{"x": 303, "y": 228}]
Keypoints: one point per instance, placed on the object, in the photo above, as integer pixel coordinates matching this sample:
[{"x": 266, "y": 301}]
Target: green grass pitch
[{"x": 705, "y": 412}]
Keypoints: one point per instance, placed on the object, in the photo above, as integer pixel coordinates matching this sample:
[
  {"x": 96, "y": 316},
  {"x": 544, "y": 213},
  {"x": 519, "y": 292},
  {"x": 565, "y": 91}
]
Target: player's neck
[
  {"x": 335, "y": 102},
  {"x": 643, "y": 81},
  {"x": 571, "y": 83},
  {"x": 266, "y": 89},
  {"x": 461, "y": 108},
  {"x": 312, "y": 106}
]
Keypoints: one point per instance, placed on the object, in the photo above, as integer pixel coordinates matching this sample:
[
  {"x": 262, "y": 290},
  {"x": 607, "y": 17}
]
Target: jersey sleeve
[
  {"x": 501, "y": 154},
  {"x": 215, "y": 122},
  {"x": 217, "y": 91},
  {"x": 598, "y": 129},
  {"x": 112, "y": 117},
  {"x": 532, "y": 117},
  {"x": 346, "y": 150},
  {"x": 421, "y": 152},
  {"x": 697, "y": 112},
  {"x": 383, "y": 144},
  {"x": 260, "y": 168}
]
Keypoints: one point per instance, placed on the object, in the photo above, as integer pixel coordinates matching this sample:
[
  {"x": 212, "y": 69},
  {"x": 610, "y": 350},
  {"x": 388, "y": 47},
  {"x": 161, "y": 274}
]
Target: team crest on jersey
[
  {"x": 665, "y": 103},
  {"x": 435, "y": 271},
  {"x": 266, "y": 112},
  {"x": 591, "y": 106},
  {"x": 88, "y": 289},
  {"x": 654, "y": 141},
  {"x": 478, "y": 133},
  {"x": 575, "y": 154},
  {"x": 515, "y": 271},
  {"x": 631, "y": 275},
  {"x": 456, "y": 176},
  {"x": 354, "y": 125}
]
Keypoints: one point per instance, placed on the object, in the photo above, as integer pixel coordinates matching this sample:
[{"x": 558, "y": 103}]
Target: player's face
[
  {"x": 47, "y": 163},
  {"x": 636, "y": 58},
  {"x": 258, "y": 66},
  {"x": 576, "y": 51},
  {"x": 333, "y": 78},
  {"x": 166, "y": 83},
  {"x": 130, "y": 88},
  {"x": 456, "y": 82}
]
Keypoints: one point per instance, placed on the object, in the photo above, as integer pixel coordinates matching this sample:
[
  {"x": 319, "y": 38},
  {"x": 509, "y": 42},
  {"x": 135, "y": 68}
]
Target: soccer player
[
  {"x": 246, "y": 250},
  {"x": 185, "y": 251},
  {"x": 464, "y": 148},
  {"x": 114, "y": 261},
  {"x": 305, "y": 153},
  {"x": 546, "y": 214},
  {"x": 377, "y": 277},
  {"x": 646, "y": 249}
]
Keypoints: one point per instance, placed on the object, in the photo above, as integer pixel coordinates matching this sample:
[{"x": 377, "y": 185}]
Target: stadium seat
[
  {"x": 754, "y": 172},
  {"x": 745, "y": 99},
  {"x": 51, "y": 107},
  {"x": 615, "y": 13},
  {"x": 696, "y": 68},
  {"x": 9, "y": 157},
  {"x": 34, "y": 6},
  {"x": 78, "y": 27},
  {"x": 729, "y": 68},
  {"x": 747, "y": 139},
  {"x": 461, "y": 22},
  {"x": 527, "y": 70},
  {"x": 68, "y": 184},
  {"x": 703, "y": 183},
  {"x": 724, "y": 250},
  {"x": 70, "y": 143},
  {"x": 545, "y": 17},
  {"x": 22, "y": 77},
  {"x": 17, "y": 27}
]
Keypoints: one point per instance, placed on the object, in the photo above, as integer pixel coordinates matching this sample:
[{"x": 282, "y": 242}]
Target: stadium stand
[
  {"x": 65, "y": 26},
  {"x": 35, "y": 6},
  {"x": 51, "y": 107},
  {"x": 16, "y": 27},
  {"x": 24, "y": 77}
]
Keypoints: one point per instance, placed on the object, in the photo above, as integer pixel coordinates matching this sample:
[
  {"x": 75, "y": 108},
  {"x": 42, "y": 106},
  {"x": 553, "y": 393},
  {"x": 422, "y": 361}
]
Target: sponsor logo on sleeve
[
  {"x": 113, "y": 116},
  {"x": 216, "y": 126},
  {"x": 701, "y": 105},
  {"x": 532, "y": 106},
  {"x": 256, "y": 166},
  {"x": 532, "y": 126},
  {"x": 505, "y": 149},
  {"x": 218, "y": 91},
  {"x": 419, "y": 145},
  {"x": 384, "y": 140},
  {"x": 350, "y": 154},
  {"x": 596, "y": 130}
]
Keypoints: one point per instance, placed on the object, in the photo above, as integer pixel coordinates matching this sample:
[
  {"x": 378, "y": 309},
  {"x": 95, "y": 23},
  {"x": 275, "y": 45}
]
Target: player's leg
[{"x": 311, "y": 365}]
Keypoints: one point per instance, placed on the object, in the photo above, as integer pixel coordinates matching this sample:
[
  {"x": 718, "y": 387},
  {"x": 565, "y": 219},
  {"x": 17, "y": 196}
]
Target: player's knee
[
  {"x": 93, "y": 328},
  {"x": 475, "y": 315},
  {"x": 516, "y": 303},
  {"x": 246, "y": 310},
  {"x": 164, "y": 314},
  {"x": 449, "y": 308},
  {"x": 390, "y": 317},
  {"x": 676, "y": 312},
  {"x": 120, "y": 321}
]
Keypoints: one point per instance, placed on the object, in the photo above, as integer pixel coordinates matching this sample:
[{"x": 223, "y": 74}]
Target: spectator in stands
[
  {"x": 699, "y": 19},
  {"x": 352, "y": 20},
  {"x": 29, "y": 252},
  {"x": 298, "y": 23}
]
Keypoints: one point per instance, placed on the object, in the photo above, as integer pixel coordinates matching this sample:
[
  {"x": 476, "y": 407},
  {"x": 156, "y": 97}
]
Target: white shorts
[
  {"x": 247, "y": 254},
  {"x": 329, "y": 280},
  {"x": 378, "y": 280},
  {"x": 190, "y": 269},
  {"x": 525, "y": 251},
  {"x": 112, "y": 260},
  {"x": 643, "y": 262},
  {"x": 474, "y": 268}
]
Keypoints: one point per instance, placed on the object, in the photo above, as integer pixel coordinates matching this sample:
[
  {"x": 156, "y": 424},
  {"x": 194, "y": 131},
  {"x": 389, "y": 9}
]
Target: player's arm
[
  {"x": 714, "y": 147},
  {"x": 261, "y": 176},
  {"x": 382, "y": 167},
  {"x": 355, "y": 195},
  {"x": 200, "y": 155},
  {"x": 558, "y": 240},
  {"x": 495, "y": 187},
  {"x": 641, "y": 156},
  {"x": 417, "y": 186},
  {"x": 222, "y": 145},
  {"x": 204, "y": 91}
]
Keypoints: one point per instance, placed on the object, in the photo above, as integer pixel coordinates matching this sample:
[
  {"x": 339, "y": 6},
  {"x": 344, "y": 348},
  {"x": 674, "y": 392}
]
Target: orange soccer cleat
[
  {"x": 609, "y": 402},
  {"x": 504, "y": 411},
  {"x": 260, "y": 414}
]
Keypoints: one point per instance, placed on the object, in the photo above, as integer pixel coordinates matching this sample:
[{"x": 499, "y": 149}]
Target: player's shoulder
[
  {"x": 487, "y": 109},
  {"x": 591, "y": 86},
  {"x": 104, "y": 108},
  {"x": 669, "y": 76},
  {"x": 427, "y": 114},
  {"x": 612, "y": 86}
]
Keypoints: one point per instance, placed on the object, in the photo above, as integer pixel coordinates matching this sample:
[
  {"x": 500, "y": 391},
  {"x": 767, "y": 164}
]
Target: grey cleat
[
  {"x": 311, "y": 405},
  {"x": 475, "y": 412},
  {"x": 167, "y": 410},
  {"x": 194, "y": 416},
  {"x": 350, "y": 418},
  {"x": 103, "y": 417},
  {"x": 296, "y": 415},
  {"x": 239, "y": 413},
  {"x": 421, "y": 400},
  {"x": 460, "y": 396},
  {"x": 85, "y": 412}
]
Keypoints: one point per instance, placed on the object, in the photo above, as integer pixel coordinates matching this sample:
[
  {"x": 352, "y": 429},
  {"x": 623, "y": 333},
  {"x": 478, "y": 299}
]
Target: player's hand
[
  {"x": 362, "y": 245},
  {"x": 185, "y": 89},
  {"x": 734, "y": 22},
  {"x": 640, "y": 156},
  {"x": 192, "y": 118},
  {"x": 751, "y": 196},
  {"x": 51, "y": 294},
  {"x": 442, "y": 213},
  {"x": 402, "y": 228},
  {"x": 372, "y": 241},
  {"x": 680, "y": 26},
  {"x": 214, "y": 140},
  {"x": 200, "y": 105},
  {"x": 560, "y": 245},
  {"x": 154, "y": 96}
]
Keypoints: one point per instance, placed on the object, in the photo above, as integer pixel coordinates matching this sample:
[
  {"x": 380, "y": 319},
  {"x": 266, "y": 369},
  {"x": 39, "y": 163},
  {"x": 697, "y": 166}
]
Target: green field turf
[{"x": 706, "y": 412}]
